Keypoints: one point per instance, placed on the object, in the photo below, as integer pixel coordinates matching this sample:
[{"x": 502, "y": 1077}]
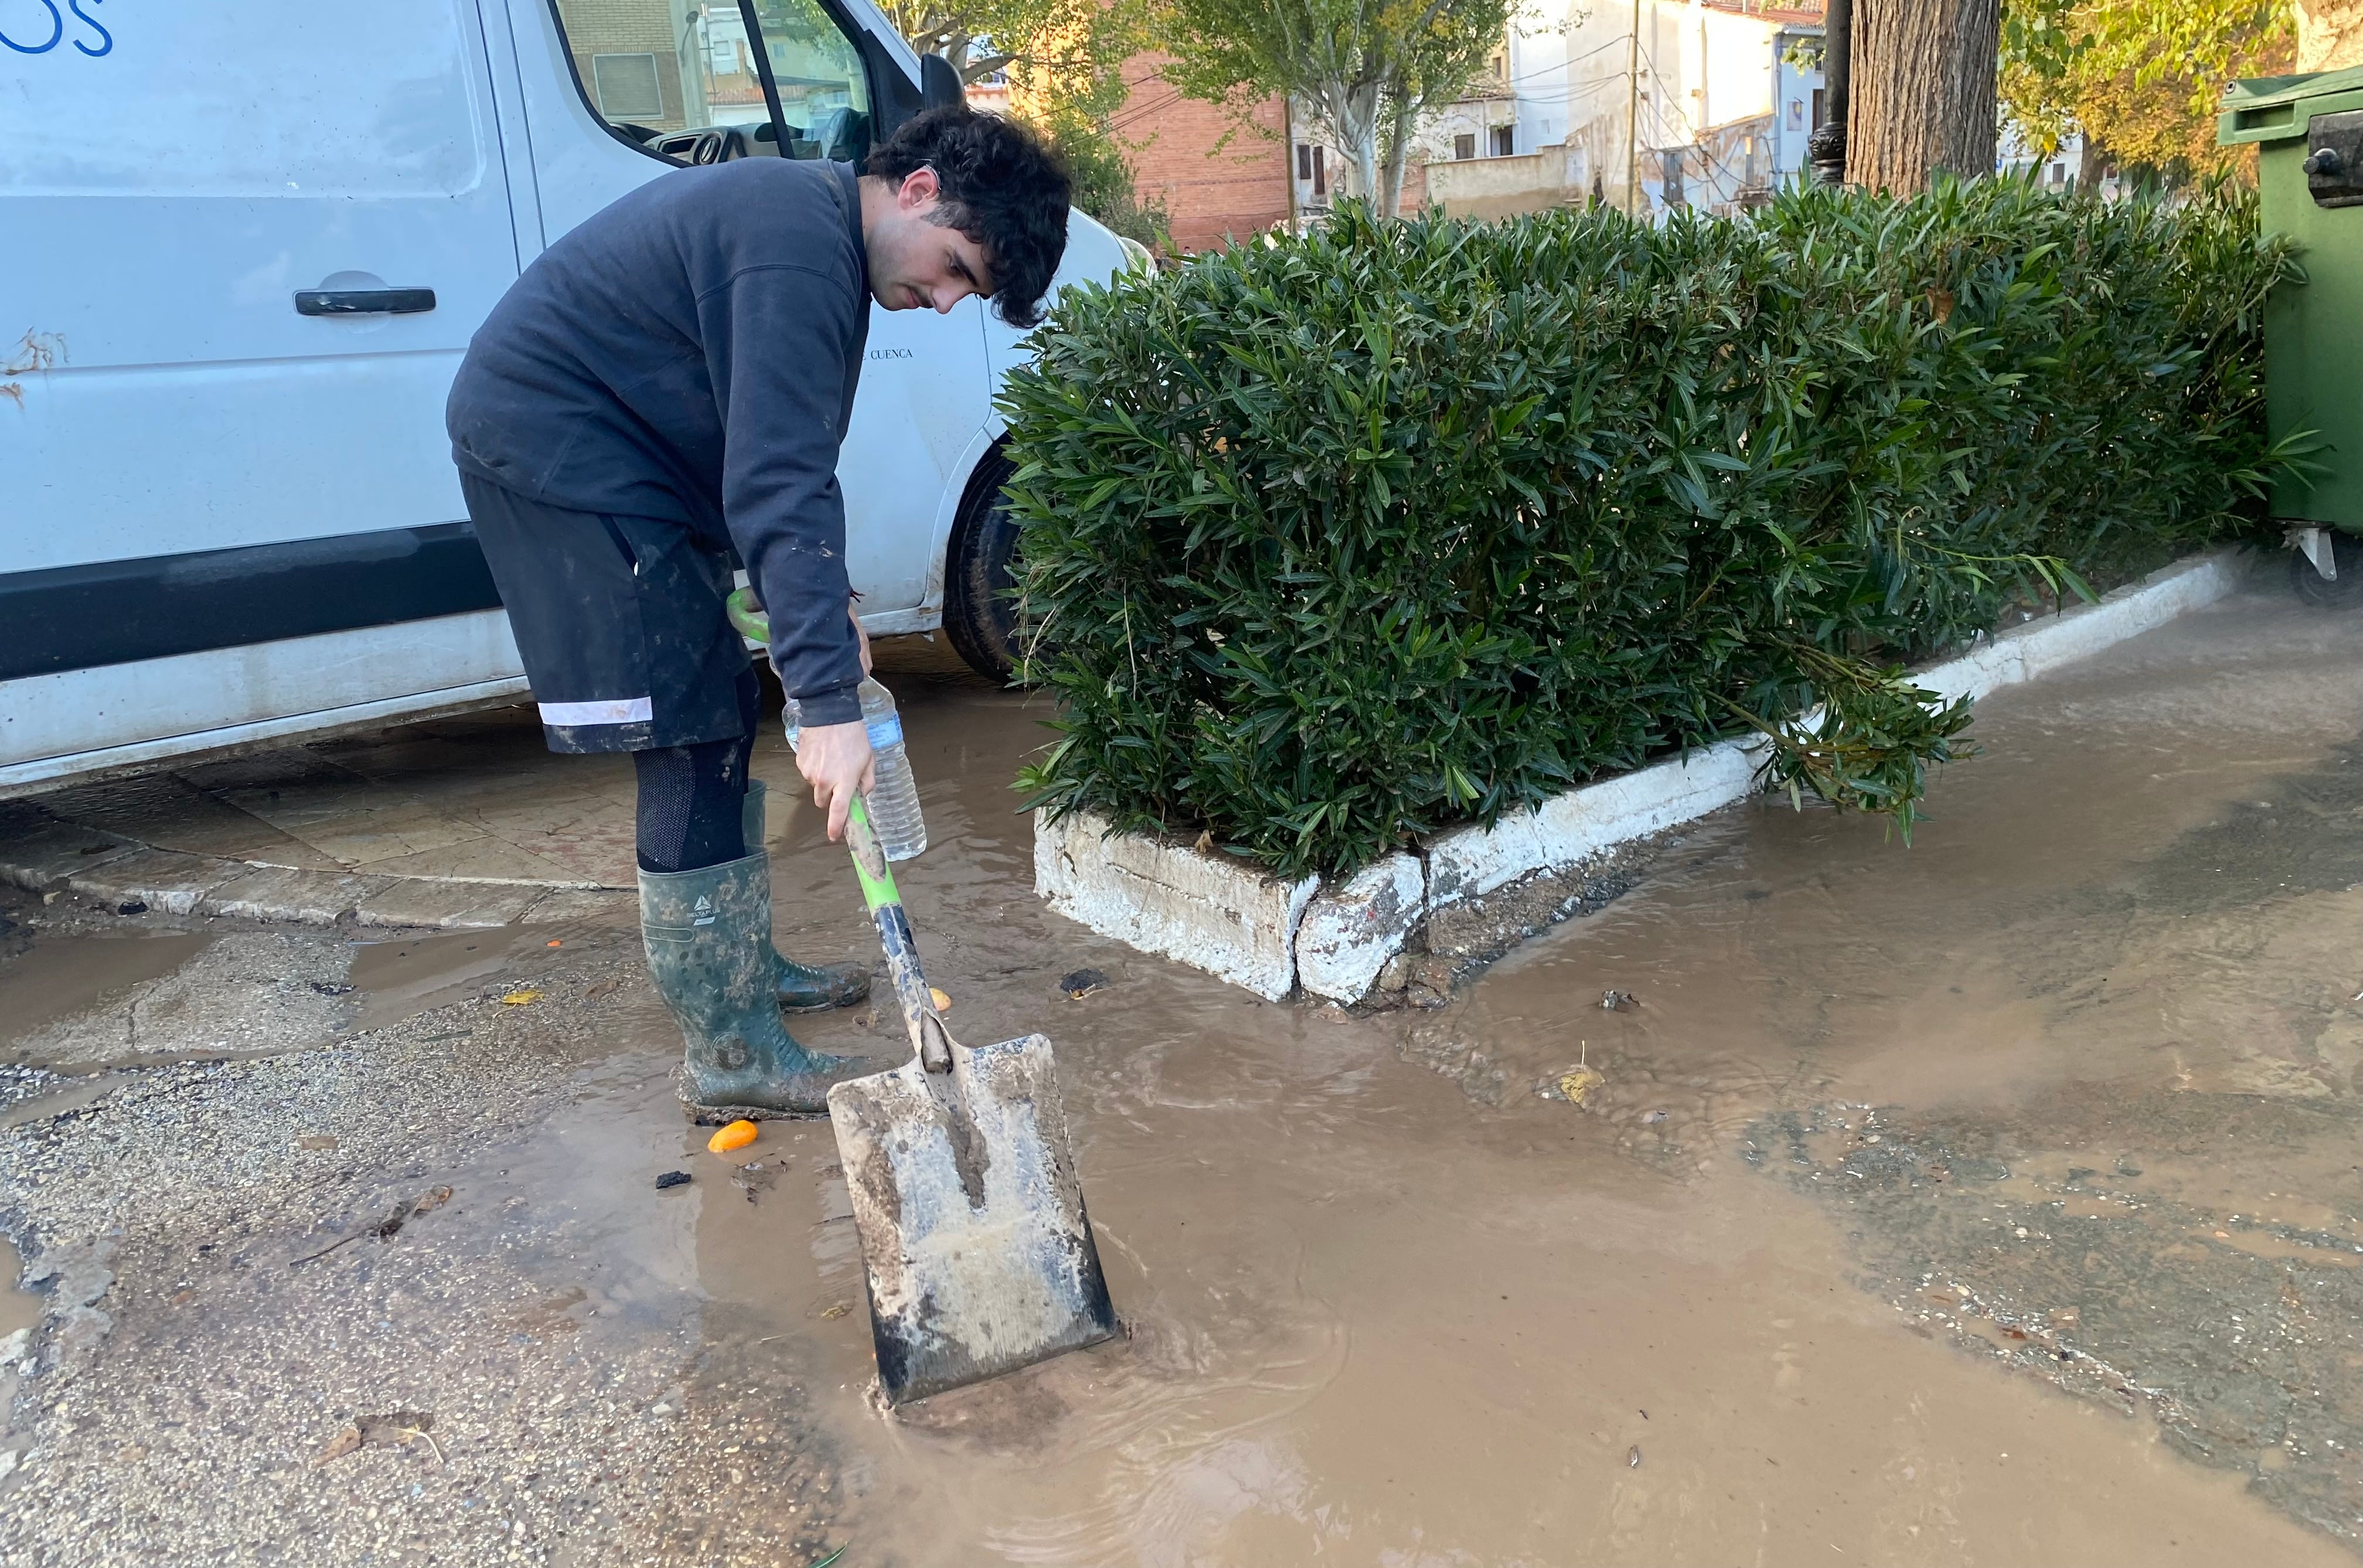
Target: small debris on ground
[
  {"x": 393, "y": 1430},
  {"x": 672, "y": 1179},
  {"x": 316, "y": 1141},
  {"x": 834, "y": 1313},
  {"x": 519, "y": 998},
  {"x": 943, "y": 1001},
  {"x": 1577, "y": 1083},
  {"x": 385, "y": 1230},
  {"x": 1632, "y": 1457},
  {"x": 1618, "y": 1001},
  {"x": 132, "y": 906},
  {"x": 734, "y": 1135},
  {"x": 1083, "y": 983}
]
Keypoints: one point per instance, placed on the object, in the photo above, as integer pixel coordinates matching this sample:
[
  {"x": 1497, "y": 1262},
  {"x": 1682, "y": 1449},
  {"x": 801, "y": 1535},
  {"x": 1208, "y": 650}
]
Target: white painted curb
[
  {"x": 1209, "y": 910},
  {"x": 1225, "y": 916}
]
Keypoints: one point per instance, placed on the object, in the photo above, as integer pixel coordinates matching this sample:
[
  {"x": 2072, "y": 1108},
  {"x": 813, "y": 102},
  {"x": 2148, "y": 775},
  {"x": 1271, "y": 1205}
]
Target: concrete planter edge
[{"x": 1229, "y": 918}]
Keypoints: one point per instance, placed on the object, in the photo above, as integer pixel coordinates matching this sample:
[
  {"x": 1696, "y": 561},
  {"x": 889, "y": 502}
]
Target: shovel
[{"x": 964, "y": 1190}]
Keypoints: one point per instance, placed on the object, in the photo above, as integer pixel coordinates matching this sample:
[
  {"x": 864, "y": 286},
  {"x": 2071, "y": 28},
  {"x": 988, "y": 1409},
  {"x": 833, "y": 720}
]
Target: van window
[
  {"x": 220, "y": 99},
  {"x": 686, "y": 81}
]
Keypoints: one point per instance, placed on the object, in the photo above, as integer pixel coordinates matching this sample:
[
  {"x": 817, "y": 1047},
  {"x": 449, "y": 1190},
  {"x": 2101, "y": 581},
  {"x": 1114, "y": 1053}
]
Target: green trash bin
[{"x": 2309, "y": 131}]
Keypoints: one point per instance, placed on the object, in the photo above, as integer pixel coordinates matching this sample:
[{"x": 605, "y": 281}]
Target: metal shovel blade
[{"x": 970, "y": 1215}]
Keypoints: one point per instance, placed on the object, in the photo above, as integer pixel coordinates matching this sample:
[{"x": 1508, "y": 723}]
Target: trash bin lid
[{"x": 2275, "y": 108}]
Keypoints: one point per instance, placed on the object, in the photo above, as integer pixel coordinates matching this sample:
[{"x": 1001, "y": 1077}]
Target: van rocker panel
[{"x": 83, "y": 617}]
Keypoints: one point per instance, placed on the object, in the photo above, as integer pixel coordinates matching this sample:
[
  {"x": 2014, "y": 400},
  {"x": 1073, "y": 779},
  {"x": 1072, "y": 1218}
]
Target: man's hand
[{"x": 836, "y": 760}]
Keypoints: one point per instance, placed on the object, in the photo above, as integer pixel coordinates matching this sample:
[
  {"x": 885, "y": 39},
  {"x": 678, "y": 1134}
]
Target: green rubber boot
[
  {"x": 802, "y": 988},
  {"x": 708, "y": 939}
]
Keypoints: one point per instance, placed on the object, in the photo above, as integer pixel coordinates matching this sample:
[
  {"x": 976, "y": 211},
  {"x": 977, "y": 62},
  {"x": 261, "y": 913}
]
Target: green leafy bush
[{"x": 1333, "y": 542}]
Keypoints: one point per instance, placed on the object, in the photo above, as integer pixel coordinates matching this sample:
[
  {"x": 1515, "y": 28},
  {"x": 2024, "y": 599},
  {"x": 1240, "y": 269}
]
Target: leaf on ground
[
  {"x": 395, "y": 1429},
  {"x": 1579, "y": 1084},
  {"x": 347, "y": 1439},
  {"x": 519, "y": 998}
]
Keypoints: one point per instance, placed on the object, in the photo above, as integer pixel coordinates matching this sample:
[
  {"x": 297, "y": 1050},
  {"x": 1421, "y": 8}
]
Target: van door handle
[{"x": 363, "y": 302}]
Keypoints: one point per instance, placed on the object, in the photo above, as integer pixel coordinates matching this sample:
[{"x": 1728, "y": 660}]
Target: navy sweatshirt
[{"x": 691, "y": 353}]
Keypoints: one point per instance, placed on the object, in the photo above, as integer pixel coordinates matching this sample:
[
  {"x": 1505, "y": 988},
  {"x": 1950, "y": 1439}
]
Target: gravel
[{"x": 223, "y": 1292}]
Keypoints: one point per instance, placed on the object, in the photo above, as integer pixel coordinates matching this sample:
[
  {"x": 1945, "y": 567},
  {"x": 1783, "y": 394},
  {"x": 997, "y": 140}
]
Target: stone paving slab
[
  {"x": 163, "y": 879},
  {"x": 423, "y": 901},
  {"x": 309, "y": 897},
  {"x": 44, "y": 853},
  {"x": 569, "y": 904},
  {"x": 462, "y": 824}
]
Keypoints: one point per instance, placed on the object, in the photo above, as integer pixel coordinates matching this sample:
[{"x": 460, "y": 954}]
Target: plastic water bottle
[{"x": 894, "y": 797}]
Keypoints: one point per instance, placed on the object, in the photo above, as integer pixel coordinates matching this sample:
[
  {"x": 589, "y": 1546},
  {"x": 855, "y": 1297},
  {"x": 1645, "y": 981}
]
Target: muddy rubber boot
[
  {"x": 802, "y": 988},
  {"x": 708, "y": 939}
]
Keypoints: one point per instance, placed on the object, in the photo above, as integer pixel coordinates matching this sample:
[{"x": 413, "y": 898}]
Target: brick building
[{"x": 1211, "y": 197}]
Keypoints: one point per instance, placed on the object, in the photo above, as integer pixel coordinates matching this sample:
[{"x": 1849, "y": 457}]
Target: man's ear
[{"x": 920, "y": 190}]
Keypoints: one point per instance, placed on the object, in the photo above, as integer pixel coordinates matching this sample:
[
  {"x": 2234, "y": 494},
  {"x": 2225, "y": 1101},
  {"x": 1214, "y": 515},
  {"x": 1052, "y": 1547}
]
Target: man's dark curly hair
[{"x": 1000, "y": 187}]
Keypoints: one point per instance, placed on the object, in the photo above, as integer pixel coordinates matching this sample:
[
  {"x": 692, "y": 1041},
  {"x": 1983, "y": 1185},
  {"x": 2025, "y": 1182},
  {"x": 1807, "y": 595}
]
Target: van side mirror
[{"x": 939, "y": 82}]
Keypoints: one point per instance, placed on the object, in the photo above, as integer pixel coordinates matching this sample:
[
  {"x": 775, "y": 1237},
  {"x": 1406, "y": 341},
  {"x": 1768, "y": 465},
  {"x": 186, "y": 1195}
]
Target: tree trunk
[
  {"x": 1399, "y": 136},
  {"x": 2329, "y": 34},
  {"x": 1923, "y": 92},
  {"x": 1348, "y": 112}
]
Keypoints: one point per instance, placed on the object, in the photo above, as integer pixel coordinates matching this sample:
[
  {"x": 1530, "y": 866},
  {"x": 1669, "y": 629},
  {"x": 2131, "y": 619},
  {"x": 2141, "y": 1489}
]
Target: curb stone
[
  {"x": 1224, "y": 915},
  {"x": 1207, "y": 910}
]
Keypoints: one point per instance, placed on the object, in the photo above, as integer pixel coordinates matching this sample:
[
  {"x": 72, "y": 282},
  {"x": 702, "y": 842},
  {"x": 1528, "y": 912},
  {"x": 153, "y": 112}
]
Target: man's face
[{"x": 916, "y": 263}]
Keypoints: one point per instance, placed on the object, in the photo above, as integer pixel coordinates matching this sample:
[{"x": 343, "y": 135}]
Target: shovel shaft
[{"x": 928, "y": 1037}]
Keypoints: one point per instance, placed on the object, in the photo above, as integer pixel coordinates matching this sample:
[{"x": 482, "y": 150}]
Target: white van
[{"x": 246, "y": 247}]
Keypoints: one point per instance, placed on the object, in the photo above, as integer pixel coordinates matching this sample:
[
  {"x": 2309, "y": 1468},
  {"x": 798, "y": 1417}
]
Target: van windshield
[{"x": 693, "y": 81}]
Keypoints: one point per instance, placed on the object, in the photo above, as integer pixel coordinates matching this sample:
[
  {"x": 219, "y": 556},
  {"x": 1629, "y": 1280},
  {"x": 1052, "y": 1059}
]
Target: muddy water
[
  {"x": 1392, "y": 1306},
  {"x": 1990, "y": 1201},
  {"x": 400, "y": 978},
  {"x": 19, "y": 1309},
  {"x": 58, "y": 976}
]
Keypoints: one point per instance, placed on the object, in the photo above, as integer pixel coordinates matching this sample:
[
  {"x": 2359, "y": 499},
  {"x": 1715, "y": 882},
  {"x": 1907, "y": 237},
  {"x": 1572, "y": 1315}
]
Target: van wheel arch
[{"x": 979, "y": 617}]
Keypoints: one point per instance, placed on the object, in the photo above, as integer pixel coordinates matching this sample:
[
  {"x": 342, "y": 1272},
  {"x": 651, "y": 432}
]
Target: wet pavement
[{"x": 1995, "y": 1200}]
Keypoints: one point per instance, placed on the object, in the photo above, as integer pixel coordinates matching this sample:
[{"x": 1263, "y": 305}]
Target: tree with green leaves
[
  {"x": 2141, "y": 79},
  {"x": 1364, "y": 70},
  {"x": 1063, "y": 59}
]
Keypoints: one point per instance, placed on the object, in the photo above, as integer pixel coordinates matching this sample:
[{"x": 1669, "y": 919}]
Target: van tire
[{"x": 978, "y": 614}]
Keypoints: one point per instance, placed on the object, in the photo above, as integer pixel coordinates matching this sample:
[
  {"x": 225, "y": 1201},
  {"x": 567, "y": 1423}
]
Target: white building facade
[{"x": 1646, "y": 106}]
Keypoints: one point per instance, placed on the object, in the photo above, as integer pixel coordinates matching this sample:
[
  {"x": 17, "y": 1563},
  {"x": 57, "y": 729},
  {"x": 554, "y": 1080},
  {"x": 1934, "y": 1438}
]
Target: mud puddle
[
  {"x": 19, "y": 1308},
  {"x": 59, "y": 976},
  {"x": 400, "y": 978},
  {"x": 1393, "y": 1303}
]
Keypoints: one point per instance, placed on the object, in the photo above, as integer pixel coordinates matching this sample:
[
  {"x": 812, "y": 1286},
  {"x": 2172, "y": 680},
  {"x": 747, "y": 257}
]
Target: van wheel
[{"x": 978, "y": 616}]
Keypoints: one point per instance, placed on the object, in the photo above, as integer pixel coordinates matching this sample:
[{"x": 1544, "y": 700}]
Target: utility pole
[
  {"x": 1633, "y": 118},
  {"x": 1828, "y": 146}
]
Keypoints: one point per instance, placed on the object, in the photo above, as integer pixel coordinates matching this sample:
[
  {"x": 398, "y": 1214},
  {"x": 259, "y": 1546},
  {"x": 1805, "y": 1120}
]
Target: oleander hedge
[{"x": 1333, "y": 542}]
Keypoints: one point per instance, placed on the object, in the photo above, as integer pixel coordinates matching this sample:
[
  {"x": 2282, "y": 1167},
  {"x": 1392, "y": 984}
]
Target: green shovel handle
[{"x": 928, "y": 1036}]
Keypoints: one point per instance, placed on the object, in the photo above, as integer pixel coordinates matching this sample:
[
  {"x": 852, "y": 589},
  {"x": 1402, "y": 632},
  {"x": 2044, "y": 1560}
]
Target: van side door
[{"x": 248, "y": 248}]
